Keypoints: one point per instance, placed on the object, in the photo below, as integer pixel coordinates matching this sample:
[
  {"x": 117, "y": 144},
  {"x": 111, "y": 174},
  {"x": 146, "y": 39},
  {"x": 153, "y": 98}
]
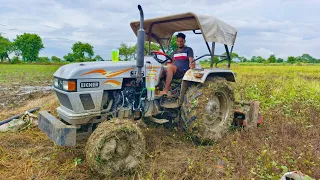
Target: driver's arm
[
  {"x": 191, "y": 64},
  {"x": 190, "y": 56}
]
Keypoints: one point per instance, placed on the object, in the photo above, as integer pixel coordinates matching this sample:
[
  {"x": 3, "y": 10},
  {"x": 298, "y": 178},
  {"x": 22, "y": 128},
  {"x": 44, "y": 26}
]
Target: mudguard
[{"x": 200, "y": 75}]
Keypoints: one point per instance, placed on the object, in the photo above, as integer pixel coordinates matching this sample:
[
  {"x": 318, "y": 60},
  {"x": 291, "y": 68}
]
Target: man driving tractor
[{"x": 182, "y": 61}]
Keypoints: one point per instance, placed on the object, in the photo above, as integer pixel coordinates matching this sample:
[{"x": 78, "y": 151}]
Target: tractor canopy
[{"x": 161, "y": 29}]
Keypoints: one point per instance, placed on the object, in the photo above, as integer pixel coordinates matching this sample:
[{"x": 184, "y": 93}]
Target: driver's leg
[{"x": 171, "y": 70}]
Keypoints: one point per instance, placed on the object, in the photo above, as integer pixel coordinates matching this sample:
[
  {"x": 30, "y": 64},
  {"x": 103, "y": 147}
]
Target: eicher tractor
[{"x": 103, "y": 101}]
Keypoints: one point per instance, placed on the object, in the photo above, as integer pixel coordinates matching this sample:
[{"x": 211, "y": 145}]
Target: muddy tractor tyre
[
  {"x": 116, "y": 147},
  {"x": 207, "y": 109}
]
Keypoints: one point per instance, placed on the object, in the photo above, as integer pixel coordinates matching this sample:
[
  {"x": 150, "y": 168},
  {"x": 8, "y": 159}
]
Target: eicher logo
[{"x": 89, "y": 84}]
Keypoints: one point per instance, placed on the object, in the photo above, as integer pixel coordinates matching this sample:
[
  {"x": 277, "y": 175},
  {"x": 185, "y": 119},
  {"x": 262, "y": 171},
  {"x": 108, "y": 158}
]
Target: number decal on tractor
[{"x": 134, "y": 73}]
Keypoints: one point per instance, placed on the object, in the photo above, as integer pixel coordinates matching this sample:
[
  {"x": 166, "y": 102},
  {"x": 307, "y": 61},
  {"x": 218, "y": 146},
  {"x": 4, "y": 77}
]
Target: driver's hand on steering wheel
[{"x": 192, "y": 65}]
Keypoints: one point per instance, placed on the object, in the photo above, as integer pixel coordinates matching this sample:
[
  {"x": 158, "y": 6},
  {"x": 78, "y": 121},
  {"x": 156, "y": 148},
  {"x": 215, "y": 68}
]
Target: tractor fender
[
  {"x": 201, "y": 75},
  {"x": 190, "y": 77}
]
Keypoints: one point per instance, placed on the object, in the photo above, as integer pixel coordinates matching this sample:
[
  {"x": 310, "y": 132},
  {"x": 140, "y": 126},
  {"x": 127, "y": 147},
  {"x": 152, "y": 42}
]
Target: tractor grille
[
  {"x": 64, "y": 100},
  {"x": 87, "y": 101}
]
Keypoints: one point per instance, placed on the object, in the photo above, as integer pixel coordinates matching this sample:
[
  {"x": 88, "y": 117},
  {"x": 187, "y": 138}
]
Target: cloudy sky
[{"x": 280, "y": 27}]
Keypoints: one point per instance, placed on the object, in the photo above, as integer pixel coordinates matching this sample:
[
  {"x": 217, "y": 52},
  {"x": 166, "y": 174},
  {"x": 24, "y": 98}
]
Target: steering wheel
[{"x": 155, "y": 56}]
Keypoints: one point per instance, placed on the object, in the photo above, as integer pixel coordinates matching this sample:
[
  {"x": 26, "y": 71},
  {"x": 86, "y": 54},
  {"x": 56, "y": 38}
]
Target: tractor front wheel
[{"x": 116, "y": 147}]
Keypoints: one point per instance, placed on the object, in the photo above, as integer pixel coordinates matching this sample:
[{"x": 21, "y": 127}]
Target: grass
[
  {"x": 26, "y": 74},
  {"x": 288, "y": 139}
]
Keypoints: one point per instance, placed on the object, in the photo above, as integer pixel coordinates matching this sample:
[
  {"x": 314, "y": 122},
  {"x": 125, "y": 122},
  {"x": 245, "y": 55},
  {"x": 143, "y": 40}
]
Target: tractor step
[
  {"x": 170, "y": 103},
  {"x": 159, "y": 121}
]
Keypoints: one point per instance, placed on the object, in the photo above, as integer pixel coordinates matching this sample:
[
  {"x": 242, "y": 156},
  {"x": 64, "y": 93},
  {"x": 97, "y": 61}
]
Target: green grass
[{"x": 25, "y": 74}]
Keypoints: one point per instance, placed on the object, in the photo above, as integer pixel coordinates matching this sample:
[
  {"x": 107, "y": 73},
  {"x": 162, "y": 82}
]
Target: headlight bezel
[{"x": 68, "y": 85}]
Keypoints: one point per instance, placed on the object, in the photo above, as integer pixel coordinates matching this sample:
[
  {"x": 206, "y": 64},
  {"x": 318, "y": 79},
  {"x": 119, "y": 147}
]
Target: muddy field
[{"x": 287, "y": 141}]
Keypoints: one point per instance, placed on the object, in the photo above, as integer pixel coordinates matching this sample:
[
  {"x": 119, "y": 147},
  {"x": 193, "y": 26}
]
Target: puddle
[
  {"x": 30, "y": 89},
  {"x": 15, "y": 96},
  {"x": 17, "y": 90}
]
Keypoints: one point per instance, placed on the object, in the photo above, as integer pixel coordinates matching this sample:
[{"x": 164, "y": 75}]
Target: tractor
[{"x": 102, "y": 101}]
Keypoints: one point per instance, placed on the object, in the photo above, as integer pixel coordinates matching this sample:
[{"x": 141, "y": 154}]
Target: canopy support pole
[{"x": 212, "y": 54}]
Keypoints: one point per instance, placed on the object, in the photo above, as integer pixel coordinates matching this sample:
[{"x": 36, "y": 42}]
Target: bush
[
  {"x": 43, "y": 59},
  {"x": 55, "y": 59},
  {"x": 15, "y": 60}
]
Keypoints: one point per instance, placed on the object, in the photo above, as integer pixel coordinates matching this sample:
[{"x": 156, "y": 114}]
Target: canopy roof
[{"x": 162, "y": 28}]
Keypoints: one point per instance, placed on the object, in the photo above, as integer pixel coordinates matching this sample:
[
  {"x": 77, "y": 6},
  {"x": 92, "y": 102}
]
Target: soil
[{"x": 15, "y": 96}]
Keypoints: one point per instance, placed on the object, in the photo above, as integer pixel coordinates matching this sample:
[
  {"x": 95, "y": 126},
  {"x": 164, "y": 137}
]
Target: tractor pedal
[{"x": 159, "y": 121}]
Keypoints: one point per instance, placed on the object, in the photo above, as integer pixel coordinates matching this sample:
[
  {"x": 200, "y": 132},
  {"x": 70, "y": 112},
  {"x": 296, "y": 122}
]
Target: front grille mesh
[
  {"x": 87, "y": 101},
  {"x": 64, "y": 100}
]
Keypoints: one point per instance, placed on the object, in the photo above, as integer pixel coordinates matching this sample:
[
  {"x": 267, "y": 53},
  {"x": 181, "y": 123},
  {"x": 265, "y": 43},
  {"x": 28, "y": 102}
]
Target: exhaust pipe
[{"x": 140, "y": 45}]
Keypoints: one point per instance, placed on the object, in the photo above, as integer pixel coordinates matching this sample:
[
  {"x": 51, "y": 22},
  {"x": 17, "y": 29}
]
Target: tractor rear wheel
[
  {"x": 116, "y": 147},
  {"x": 207, "y": 109}
]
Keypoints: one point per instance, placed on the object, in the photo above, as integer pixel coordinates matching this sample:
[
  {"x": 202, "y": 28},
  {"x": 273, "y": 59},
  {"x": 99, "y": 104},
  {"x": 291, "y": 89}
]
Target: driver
[{"x": 182, "y": 59}]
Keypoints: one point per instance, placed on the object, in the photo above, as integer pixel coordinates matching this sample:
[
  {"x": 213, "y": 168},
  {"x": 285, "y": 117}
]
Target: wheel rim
[{"x": 216, "y": 109}]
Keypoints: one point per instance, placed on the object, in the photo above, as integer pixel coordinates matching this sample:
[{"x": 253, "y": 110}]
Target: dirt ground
[
  {"x": 30, "y": 154},
  {"x": 16, "y": 95}
]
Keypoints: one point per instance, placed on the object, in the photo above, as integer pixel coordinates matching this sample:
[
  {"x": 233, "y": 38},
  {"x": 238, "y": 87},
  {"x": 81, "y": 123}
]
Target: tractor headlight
[
  {"x": 56, "y": 82},
  {"x": 69, "y": 85},
  {"x": 65, "y": 85}
]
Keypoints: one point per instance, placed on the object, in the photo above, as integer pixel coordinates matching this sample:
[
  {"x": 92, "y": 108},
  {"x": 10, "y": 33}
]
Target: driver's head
[{"x": 181, "y": 39}]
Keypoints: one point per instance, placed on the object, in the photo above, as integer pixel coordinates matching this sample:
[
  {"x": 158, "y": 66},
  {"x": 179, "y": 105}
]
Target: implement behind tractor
[{"x": 104, "y": 99}]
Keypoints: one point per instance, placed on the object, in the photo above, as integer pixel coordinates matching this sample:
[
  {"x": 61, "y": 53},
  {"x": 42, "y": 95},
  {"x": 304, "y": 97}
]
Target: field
[{"x": 288, "y": 140}]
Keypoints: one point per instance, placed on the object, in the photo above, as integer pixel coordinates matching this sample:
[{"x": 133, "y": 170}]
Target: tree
[
  {"x": 279, "y": 60},
  {"x": 55, "y": 59},
  {"x": 243, "y": 59},
  {"x": 125, "y": 51},
  {"x": 29, "y": 45},
  {"x": 98, "y": 58},
  {"x": 291, "y": 59},
  {"x": 6, "y": 48},
  {"x": 260, "y": 59},
  {"x": 172, "y": 47},
  {"x": 128, "y": 52},
  {"x": 253, "y": 59},
  {"x": 272, "y": 59},
  {"x": 307, "y": 58},
  {"x": 69, "y": 57},
  {"x": 82, "y": 51},
  {"x": 43, "y": 59}
]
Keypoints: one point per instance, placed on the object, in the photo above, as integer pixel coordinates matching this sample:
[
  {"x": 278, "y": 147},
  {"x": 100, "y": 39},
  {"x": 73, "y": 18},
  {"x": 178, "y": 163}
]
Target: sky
[{"x": 281, "y": 27}]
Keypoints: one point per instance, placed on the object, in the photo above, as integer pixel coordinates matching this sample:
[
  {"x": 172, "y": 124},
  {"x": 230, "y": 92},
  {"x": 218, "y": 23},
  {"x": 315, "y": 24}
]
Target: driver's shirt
[{"x": 181, "y": 58}]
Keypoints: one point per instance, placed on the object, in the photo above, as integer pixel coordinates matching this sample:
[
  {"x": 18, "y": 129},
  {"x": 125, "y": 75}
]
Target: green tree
[
  {"x": 279, "y": 60},
  {"x": 235, "y": 56},
  {"x": 172, "y": 47},
  {"x": 291, "y": 59},
  {"x": 126, "y": 51},
  {"x": 43, "y": 59},
  {"x": 253, "y": 59},
  {"x": 69, "y": 57},
  {"x": 272, "y": 59},
  {"x": 82, "y": 51},
  {"x": 55, "y": 59},
  {"x": 260, "y": 59},
  {"x": 98, "y": 58},
  {"x": 29, "y": 46},
  {"x": 307, "y": 58},
  {"x": 6, "y": 47},
  {"x": 243, "y": 59},
  {"x": 153, "y": 47}
]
